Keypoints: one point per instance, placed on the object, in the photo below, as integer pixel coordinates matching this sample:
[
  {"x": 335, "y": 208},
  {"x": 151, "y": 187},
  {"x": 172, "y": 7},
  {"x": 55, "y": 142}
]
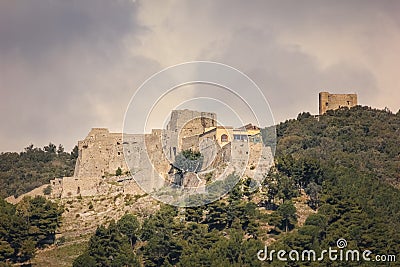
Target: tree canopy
[
  {"x": 24, "y": 171},
  {"x": 30, "y": 224}
]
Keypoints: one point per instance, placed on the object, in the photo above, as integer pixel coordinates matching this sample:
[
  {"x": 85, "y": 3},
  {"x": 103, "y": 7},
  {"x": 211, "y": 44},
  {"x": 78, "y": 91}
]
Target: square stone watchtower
[{"x": 329, "y": 101}]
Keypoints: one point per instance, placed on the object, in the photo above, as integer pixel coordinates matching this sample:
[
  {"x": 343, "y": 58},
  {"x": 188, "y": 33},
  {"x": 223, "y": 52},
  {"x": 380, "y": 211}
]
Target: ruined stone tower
[{"x": 329, "y": 101}]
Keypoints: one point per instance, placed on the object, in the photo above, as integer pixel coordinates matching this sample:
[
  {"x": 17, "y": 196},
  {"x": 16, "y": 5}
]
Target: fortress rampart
[{"x": 149, "y": 156}]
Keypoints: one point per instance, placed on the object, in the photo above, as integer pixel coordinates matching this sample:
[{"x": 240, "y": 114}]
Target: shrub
[{"x": 47, "y": 190}]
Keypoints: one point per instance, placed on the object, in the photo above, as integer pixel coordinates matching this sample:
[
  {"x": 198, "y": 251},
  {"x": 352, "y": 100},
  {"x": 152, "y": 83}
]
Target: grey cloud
[
  {"x": 67, "y": 66},
  {"x": 32, "y": 28},
  {"x": 289, "y": 78}
]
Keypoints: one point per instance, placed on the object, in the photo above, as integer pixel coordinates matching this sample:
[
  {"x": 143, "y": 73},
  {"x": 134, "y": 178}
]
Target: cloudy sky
[{"x": 68, "y": 66}]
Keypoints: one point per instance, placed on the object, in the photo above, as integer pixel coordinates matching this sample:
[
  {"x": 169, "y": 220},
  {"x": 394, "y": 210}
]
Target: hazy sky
[{"x": 68, "y": 66}]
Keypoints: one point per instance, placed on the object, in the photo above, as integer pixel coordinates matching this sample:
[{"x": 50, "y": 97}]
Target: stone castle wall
[
  {"x": 329, "y": 101},
  {"x": 149, "y": 156},
  {"x": 182, "y": 129},
  {"x": 194, "y": 121},
  {"x": 100, "y": 153}
]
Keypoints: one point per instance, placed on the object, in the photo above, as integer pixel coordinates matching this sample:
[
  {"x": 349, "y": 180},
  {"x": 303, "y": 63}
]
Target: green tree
[
  {"x": 108, "y": 247},
  {"x": 27, "y": 250},
  {"x": 42, "y": 216},
  {"x": 51, "y": 148},
  {"x": 47, "y": 190},
  {"x": 288, "y": 213},
  {"x": 344, "y": 161},
  {"x": 129, "y": 226},
  {"x": 194, "y": 214},
  {"x": 314, "y": 190},
  {"x": 286, "y": 187},
  {"x": 6, "y": 251},
  {"x": 189, "y": 161},
  {"x": 26, "y": 227},
  {"x": 84, "y": 260},
  {"x": 162, "y": 249},
  {"x": 60, "y": 149},
  {"x": 217, "y": 217},
  {"x": 75, "y": 152}
]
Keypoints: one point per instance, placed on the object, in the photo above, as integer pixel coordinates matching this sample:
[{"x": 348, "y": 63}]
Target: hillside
[
  {"x": 350, "y": 160},
  {"x": 344, "y": 165},
  {"x": 363, "y": 138},
  {"x": 24, "y": 171},
  {"x": 336, "y": 176}
]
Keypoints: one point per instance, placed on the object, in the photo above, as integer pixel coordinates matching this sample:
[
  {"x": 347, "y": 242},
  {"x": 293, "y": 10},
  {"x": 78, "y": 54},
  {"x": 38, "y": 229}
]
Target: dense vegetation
[
  {"x": 112, "y": 245},
  {"x": 26, "y": 226},
  {"x": 211, "y": 235},
  {"x": 346, "y": 161},
  {"x": 24, "y": 171}
]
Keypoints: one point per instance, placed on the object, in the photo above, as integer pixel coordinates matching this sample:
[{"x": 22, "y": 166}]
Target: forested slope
[
  {"x": 24, "y": 227},
  {"x": 347, "y": 162},
  {"x": 24, "y": 171}
]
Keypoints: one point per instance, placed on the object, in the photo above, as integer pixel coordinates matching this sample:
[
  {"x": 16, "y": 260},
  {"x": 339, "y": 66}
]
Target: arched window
[{"x": 224, "y": 138}]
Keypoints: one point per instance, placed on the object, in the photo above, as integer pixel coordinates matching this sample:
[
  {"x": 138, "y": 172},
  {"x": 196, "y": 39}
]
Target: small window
[{"x": 224, "y": 138}]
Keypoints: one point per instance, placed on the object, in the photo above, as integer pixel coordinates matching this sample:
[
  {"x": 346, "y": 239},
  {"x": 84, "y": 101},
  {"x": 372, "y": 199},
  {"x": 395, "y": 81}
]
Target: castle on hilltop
[
  {"x": 149, "y": 157},
  {"x": 329, "y": 101}
]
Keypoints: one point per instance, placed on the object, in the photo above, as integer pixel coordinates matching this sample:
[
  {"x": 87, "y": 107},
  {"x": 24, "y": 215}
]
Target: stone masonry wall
[
  {"x": 149, "y": 156},
  {"x": 329, "y": 101},
  {"x": 100, "y": 153}
]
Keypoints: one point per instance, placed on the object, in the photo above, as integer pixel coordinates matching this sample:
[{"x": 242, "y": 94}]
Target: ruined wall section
[
  {"x": 329, "y": 101},
  {"x": 260, "y": 161},
  {"x": 251, "y": 159},
  {"x": 182, "y": 128},
  {"x": 190, "y": 142},
  {"x": 74, "y": 186},
  {"x": 156, "y": 154},
  {"x": 100, "y": 153},
  {"x": 116, "y": 151},
  {"x": 146, "y": 159},
  {"x": 180, "y": 118},
  {"x": 91, "y": 186}
]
